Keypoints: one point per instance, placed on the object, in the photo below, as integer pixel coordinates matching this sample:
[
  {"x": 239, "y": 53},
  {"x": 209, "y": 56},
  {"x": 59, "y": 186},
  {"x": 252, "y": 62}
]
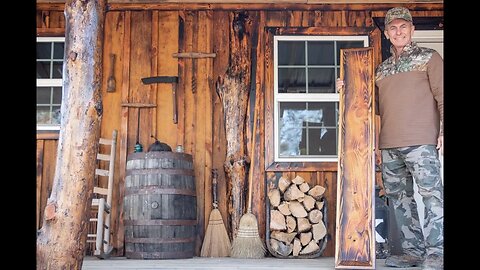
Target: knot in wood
[{"x": 72, "y": 55}]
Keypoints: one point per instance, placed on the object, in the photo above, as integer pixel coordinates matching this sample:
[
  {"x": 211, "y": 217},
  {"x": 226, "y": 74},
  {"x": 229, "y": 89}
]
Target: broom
[
  {"x": 248, "y": 244},
  {"x": 216, "y": 242}
]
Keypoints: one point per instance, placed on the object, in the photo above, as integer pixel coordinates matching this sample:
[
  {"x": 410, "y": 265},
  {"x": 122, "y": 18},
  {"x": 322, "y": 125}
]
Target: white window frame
[
  {"x": 310, "y": 97},
  {"x": 49, "y": 82}
]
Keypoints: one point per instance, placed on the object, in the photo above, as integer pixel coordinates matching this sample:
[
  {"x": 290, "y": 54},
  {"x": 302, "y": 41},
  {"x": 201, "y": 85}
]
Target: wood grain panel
[
  {"x": 124, "y": 128},
  {"x": 220, "y": 38},
  {"x": 39, "y": 181},
  {"x": 258, "y": 163},
  {"x": 114, "y": 34},
  {"x": 166, "y": 130},
  {"x": 140, "y": 67},
  {"x": 355, "y": 231}
]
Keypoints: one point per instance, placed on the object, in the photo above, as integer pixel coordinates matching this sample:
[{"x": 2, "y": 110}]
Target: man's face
[{"x": 399, "y": 32}]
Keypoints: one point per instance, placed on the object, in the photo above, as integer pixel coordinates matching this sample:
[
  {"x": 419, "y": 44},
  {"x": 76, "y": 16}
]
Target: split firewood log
[
  {"x": 298, "y": 180},
  {"x": 315, "y": 216},
  {"x": 277, "y": 221},
  {"x": 297, "y": 246},
  {"x": 280, "y": 247},
  {"x": 282, "y": 236},
  {"x": 291, "y": 224},
  {"x": 297, "y": 209},
  {"x": 293, "y": 193},
  {"x": 310, "y": 248},
  {"x": 308, "y": 202},
  {"x": 284, "y": 209},
  {"x": 305, "y": 238},
  {"x": 316, "y": 192},
  {"x": 283, "y": 184},
  {"x": 319, "y": 231},
  {"x": 274, "y": 197},
  {"x": 304, "y": 187}
]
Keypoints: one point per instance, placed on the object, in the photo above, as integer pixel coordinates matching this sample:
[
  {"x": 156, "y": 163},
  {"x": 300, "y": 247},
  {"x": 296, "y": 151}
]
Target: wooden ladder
[{"x": 102, "y": 197}]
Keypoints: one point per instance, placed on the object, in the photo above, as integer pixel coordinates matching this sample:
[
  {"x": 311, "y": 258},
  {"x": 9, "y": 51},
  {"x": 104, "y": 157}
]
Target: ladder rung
[
  {"x": 92, "y": 235},
  {"x": 103, "y": 157},
  {"x": 105, "y": 141},
  {"x": 100, "y": 190},
  {"x": 94, "y": 219},
  {"x": 101, "y": 172}
]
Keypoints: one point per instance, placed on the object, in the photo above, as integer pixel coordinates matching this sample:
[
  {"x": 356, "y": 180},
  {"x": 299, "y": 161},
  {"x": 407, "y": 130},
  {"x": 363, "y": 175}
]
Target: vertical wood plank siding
[{"x": 143, "y": 42}]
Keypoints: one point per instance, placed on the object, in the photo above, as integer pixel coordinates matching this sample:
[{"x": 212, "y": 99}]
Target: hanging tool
[
  {"x": 166, "y": 79},
  {"x": 111, "y": 77},
  {"x": 138, "y": 146},
  {"x": 194, "y": 56}
]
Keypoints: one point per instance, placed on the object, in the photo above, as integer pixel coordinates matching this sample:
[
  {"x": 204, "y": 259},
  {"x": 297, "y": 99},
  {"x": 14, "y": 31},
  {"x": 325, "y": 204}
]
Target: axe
[{"x": 166, "y": 79}]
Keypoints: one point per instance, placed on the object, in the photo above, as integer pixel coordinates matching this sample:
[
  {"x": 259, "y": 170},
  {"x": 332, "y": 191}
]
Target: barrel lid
[{"x": 159, "y": 154}]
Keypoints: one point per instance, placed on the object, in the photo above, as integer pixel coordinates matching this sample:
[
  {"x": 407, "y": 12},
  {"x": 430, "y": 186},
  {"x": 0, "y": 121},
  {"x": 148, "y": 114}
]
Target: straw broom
[
  {"x": 216, "y": 242},
  {"x": 248, "y": 244}
]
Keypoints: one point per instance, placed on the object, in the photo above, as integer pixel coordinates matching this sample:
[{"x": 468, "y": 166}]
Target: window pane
[
  {"x": 58, "y": 50},
  {"x": 329, "y": 113},
  {"x": 321, "y": 80},
  {"x": 43, "y": 95},
  {"x": 346, "y": 45},
  {"x": 291, "y": 80},
  {"x": 43, "y": 70},
  {"x": 322, "y": 141},
  {"x": 56, "y": 115},
  {"x": 302, "y": 131},
  {"x": 320, "y": 53},
  {"x": 44, "y": 50},
  {"x": 43, "y": 115},
  {"x": 57, "y": 70},
  {"x": 57, "y": 95},
  {"x": 291, "y": 53}
]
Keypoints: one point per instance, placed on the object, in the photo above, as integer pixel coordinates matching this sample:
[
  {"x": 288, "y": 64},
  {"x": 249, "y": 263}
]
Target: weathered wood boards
[{"x": 355, "y": 229}]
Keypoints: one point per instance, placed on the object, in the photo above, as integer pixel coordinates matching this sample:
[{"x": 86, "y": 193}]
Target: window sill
[
  {"x": 302, "y": 166},
  {"x": 47, "y": 134}
]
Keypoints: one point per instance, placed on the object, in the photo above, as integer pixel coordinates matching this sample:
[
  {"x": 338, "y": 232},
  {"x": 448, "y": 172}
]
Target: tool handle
[
  {"x": 174, "y": 95},
  {"x": 214, "y": 187}
]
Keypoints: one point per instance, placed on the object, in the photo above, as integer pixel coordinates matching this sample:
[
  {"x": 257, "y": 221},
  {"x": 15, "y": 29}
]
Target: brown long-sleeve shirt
[{"x": 410, "y": 98}]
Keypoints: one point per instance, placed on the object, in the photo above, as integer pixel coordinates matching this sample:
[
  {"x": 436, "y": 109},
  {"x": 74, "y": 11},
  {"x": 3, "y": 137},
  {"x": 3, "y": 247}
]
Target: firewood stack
[{"x": 297, "y": 219}]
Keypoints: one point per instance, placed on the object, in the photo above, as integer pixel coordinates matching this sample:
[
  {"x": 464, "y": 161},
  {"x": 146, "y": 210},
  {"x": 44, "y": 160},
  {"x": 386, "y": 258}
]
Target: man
[{"x": 410, "y": 104}]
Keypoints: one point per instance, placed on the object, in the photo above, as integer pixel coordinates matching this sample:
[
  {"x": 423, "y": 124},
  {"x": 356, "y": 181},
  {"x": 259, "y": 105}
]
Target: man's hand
[
  {"x": 339, "y": 85},
  {"x": 440, "y": 144}
]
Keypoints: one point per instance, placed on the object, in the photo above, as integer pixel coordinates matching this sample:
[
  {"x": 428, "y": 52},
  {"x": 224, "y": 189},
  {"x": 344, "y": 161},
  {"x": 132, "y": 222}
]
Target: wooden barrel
[{"x": 160, "y": 206}]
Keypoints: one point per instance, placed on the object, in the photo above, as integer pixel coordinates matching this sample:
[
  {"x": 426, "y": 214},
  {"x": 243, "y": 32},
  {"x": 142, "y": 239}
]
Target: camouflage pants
[{"x": 399, "y": 167}]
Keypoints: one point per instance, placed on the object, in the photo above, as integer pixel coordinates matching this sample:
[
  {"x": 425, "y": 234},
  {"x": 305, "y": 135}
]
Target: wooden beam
[
  {"x": 254, "y": 5},
  {"x": 355, "y": 229},
  {"x": 256, "y": 1}
]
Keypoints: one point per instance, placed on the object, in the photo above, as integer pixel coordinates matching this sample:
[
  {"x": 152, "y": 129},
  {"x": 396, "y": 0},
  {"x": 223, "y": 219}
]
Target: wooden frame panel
[
  {"x": 270, "y": 164},
  {"x": 355, "y": 230}
]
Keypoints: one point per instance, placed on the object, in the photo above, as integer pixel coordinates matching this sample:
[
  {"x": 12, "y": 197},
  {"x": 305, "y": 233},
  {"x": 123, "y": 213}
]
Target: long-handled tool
[
  {"x": 248, "y": 243},
  {"x": 138, "y": 146},
  {"x": 216, "y": 242}
]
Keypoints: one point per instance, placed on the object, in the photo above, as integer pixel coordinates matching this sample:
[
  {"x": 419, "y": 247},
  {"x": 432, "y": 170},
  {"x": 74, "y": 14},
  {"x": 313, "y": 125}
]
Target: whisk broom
[{"x": 216, "y": 242}]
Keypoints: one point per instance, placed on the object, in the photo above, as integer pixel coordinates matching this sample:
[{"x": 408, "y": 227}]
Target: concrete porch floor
[{"x": 267, "y": 263}]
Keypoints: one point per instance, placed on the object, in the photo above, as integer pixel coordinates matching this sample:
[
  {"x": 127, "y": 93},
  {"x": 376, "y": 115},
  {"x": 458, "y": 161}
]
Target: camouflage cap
[{"x": 398, "y": 13}]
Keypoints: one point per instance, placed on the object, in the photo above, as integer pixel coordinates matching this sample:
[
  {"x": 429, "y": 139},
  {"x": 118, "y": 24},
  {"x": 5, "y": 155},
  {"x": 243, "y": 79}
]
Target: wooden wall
[{"x": 143, "y": 40}]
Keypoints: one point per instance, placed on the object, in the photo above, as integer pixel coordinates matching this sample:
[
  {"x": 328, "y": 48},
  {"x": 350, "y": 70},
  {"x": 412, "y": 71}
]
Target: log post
[
  {"x": 233, "y": 89},
  {"x": 62, "y": 239}
]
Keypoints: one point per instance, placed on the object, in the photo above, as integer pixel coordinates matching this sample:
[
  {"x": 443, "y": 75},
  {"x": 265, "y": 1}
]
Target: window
[
  {"x": 305, "y": 100},
  {"x": 49, "y": 81}
]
